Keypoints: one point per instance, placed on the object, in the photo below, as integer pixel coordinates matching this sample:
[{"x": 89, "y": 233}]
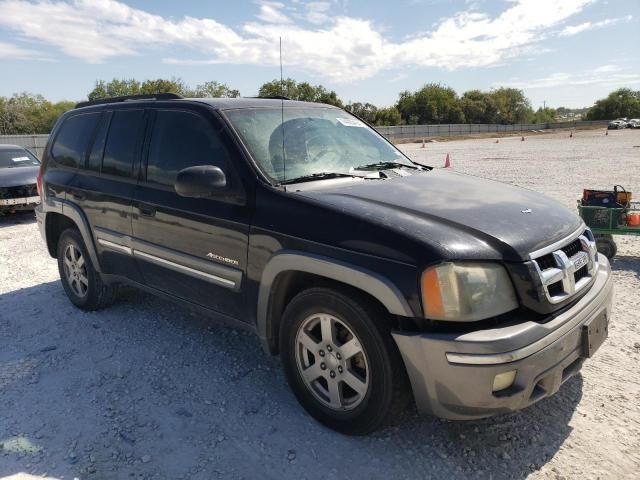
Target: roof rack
[
  {"x": 126, "y": 98},
  {"x": 274, "y": 97}
]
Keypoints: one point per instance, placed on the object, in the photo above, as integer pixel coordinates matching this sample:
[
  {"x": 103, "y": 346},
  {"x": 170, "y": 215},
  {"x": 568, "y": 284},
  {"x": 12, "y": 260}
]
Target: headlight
[{"x": 464, "y": 292}]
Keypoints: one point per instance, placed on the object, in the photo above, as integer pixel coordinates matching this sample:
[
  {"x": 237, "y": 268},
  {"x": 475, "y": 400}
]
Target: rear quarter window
[{"x": 71, "y": 143}]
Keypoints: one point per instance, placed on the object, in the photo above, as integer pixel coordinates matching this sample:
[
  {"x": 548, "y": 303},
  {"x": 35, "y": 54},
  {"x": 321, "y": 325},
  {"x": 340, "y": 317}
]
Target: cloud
[
  {"x": 571, "y": 30},
  {"x": 10, "y": 51},
  {"x": 337, "y": 47},
  {"x": 317, "y": 12},
  {"x": 270, "y": 12},
  {"x": 603, "y": 75}
]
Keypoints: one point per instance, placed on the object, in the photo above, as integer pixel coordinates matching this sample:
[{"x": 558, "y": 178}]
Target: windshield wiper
[
  {"x": 318, "y": 176},
  {"x": 384, "y": 166}
]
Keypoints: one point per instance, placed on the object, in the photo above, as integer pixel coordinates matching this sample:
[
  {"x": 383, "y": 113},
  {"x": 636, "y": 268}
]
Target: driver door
[{"x": 191, "y": 248}]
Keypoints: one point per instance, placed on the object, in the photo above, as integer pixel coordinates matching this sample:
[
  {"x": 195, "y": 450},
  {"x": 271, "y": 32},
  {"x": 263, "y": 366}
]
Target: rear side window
[
  {"x": 97, "y": 151},
  {"x": 180, "y": 140},
  {"x": 122, "y": 143},
  {"x": 70, "y": 147}
]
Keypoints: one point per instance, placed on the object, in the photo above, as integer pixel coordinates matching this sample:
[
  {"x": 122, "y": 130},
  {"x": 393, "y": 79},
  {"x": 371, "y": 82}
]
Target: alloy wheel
[
  {"x": 75, "y": 270},
  {"x": 332, "y": 362}
]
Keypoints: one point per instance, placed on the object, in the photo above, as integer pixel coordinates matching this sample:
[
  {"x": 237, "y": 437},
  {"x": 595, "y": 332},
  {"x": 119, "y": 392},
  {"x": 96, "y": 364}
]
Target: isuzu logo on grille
[{"x": 580, "y": 260}]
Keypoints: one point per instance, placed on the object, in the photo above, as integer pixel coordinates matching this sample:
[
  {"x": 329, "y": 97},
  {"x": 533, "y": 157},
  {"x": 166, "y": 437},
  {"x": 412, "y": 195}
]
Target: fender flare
[
  {"x": 372, "y": 283},
  {"x": 73, "y": 212}
]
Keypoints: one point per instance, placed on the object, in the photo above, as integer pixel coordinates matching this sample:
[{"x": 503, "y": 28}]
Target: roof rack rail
[
  {"x": 125, "y": 98},
  {"x": 274, "y": 97}
]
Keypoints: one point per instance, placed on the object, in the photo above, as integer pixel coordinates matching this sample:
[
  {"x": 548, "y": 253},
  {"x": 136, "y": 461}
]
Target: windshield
[
  {"x": 17, "y": 158},
  {"x": 310, "y": 141}
]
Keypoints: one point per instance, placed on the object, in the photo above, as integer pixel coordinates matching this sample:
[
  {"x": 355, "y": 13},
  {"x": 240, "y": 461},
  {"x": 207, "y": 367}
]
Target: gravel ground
[{"x": 144, "y": 390}]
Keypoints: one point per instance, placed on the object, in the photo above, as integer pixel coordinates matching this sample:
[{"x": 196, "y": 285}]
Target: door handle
[
  {"x": 78, "y": 195},
  {"x": 146, "y": 210}
]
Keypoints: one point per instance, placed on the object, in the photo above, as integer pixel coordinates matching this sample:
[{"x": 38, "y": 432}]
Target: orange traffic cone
[{"x": 447, "y": 162}]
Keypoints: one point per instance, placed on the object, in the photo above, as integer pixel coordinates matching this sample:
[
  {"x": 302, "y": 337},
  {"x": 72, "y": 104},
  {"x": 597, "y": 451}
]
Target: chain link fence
[
  {"x": 416, "y": 132},
  {"x": 36, "y": 143}
]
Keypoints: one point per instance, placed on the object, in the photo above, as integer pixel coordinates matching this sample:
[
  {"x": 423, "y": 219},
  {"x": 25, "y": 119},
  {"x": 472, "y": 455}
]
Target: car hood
[
  {"x": 463, "y": 216},
  {"x": 15, "y": 177}
]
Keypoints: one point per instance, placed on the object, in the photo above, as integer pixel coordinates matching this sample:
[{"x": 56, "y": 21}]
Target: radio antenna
[{"x": 284, "y": 159}]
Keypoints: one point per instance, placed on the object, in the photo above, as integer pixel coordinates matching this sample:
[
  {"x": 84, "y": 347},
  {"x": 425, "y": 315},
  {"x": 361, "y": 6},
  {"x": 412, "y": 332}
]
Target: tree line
[{"x": 434, "y": 103}]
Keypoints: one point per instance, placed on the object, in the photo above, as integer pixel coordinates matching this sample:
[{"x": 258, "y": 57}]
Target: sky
[{"x": 560, "y": 52}]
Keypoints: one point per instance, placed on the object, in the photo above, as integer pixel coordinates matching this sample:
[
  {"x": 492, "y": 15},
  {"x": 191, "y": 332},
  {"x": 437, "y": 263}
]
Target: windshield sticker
[
  {"x": 351, "y": 122},
  {"x": 20, "y": 159}
]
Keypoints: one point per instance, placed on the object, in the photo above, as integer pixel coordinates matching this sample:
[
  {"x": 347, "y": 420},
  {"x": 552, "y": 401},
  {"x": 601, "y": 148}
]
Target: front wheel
[
  {"x": 606, "y": 245},
  {"x": 340, "y": 360}
]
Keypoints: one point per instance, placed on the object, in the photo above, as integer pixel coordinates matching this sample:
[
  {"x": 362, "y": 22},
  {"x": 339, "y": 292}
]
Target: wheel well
[
  {"x": 55, "y": 224},
  {"x": 288, "y": 284}
]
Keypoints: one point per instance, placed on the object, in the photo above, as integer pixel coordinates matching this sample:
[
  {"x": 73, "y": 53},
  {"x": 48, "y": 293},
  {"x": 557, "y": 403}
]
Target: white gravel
[{"x": 144, "y": 390}]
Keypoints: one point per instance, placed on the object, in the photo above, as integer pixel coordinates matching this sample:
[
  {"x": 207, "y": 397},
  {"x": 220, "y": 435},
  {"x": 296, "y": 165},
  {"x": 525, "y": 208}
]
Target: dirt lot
[{"x": 143, "y": 390}]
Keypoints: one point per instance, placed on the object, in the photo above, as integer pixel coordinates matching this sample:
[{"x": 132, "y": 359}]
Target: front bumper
[
  {"x": 22, "y": 203},
  {"x": 452, "y": 374}
]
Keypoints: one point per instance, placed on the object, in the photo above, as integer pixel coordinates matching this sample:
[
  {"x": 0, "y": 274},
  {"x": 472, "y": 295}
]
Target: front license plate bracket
[{"x": 594, "y": 333}]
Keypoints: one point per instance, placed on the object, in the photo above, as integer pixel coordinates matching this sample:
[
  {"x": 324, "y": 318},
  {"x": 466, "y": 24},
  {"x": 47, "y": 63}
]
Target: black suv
[{"x": 377, "y": 280}]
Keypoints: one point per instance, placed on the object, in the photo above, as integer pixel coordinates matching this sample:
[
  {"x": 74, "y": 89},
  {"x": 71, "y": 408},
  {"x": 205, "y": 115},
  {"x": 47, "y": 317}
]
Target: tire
[
  {"x": 80, "y": 280},
  {"x": 606, "y": 246},
  {"x": 369, "y": 387}
]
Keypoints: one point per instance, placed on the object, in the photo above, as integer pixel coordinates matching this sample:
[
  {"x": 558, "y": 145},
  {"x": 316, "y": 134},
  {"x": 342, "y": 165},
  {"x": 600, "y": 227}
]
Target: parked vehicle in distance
[
  {"x": 376, "y": 279},
  {"x": 18, "y": 171},
  {"x": 617, "y": 124},
  {"x": 634, "y": 123}
]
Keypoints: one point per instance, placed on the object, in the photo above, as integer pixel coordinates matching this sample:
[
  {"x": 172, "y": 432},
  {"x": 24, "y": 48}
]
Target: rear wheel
[
  {"x": 606, "y": 245},
  {"x": 341, "y": 362},
  {"x": 81, "y": 282}
]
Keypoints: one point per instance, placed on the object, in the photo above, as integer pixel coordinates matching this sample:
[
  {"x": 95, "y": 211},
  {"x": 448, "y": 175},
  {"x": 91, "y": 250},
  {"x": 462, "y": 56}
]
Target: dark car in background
[{"x": 18, "y": 172}]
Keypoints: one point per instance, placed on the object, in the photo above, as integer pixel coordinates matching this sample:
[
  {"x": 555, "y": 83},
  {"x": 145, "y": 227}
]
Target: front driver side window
[{"x": 180, "y": 140}]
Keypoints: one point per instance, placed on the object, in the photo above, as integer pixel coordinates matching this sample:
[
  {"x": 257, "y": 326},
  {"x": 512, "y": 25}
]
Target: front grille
[
  {"x": 546, "y": 262},
  {"x": 568, "y": 268},
  {"x": 581, "y": 273},
  {"x": 19, "y": 192},
  {"x": 573, "y": 248}
]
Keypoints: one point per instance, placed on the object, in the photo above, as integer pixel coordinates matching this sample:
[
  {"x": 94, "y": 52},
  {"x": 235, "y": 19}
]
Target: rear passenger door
[
  {"x": 191, "y": 248},
  {"x": 104, "y": 187}
]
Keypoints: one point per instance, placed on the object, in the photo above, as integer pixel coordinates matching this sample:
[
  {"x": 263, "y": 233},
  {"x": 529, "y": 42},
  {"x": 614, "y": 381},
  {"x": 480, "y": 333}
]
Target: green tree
[
  {"x": 511, "y": 106},
  {"x": 478, "y": 107},
  {"x": 302, "y": 91},
  {"x": 388, "y": 116},
  {"x": 366, "y": 111},
  {"x": 26, "y": 113},
  {"x": 162, "y": 85},
  {"x": 544, "y": 115},
  {"x": 114, "y": 88},
  {"x": 623, "y": 102},
  {"x": 119, "y": 88},
  {"x": 433, "y": 103},
  {"x": 214, "y": 89}
]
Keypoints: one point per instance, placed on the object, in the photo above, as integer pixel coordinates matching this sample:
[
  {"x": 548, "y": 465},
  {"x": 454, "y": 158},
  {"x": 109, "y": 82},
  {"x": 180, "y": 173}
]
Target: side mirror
[{"x": 200, "y": 182}]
